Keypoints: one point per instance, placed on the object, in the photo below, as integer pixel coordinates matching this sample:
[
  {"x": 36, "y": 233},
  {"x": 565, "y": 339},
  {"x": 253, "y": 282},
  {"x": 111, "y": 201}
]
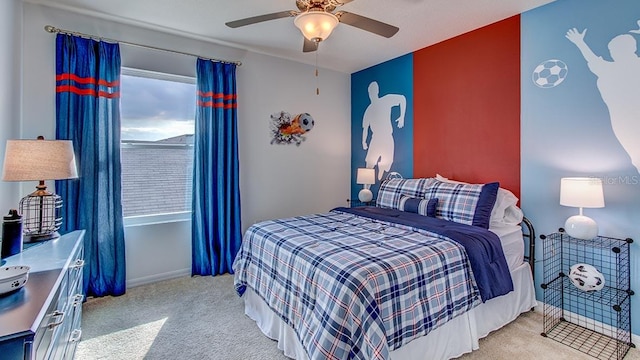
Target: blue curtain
[
  {"x": 88, "y": 113},
  {"x": 216, "y": 232}
]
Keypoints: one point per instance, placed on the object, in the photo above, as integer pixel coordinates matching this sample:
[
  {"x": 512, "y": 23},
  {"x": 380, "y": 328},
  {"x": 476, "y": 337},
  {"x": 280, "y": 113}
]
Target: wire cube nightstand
[{"x": 596, "y": 323}]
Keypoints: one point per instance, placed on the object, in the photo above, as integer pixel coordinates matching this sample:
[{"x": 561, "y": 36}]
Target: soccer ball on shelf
[
  {"x": 550, "y": 73},
  {"x": 586, "y": 277}
]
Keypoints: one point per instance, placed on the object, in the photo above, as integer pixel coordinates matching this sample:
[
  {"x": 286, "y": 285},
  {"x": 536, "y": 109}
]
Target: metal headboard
[{"x": 530, "y": 233}]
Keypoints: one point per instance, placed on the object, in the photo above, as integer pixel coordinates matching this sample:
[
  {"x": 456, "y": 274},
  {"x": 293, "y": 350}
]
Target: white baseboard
[
  {"x": 157, "y": 277},
  {"x": 574, "y": 317}
]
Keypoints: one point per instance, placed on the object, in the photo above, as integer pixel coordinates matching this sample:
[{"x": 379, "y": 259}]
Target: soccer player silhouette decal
[
  {"x": 377, "y": 118},
  {"x": 618, "y": 83}
]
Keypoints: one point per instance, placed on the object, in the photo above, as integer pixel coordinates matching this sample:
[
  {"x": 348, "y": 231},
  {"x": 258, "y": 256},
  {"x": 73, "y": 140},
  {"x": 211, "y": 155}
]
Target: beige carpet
[{"x": 202, "y": 318}]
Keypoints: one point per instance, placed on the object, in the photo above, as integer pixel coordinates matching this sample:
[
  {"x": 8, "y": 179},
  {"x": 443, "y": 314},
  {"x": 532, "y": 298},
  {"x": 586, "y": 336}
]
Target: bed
[{"x": 432, "y": 268}]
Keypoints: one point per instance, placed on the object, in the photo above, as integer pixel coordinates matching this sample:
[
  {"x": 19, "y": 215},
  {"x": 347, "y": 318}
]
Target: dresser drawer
[
  {"x": 76, "y": 329},
  {"x": 68, "y": 332},
  {"x": 75, "y": 270},
  {"x": 51, "y": 325},
  {"x": 76, "y": 298}
]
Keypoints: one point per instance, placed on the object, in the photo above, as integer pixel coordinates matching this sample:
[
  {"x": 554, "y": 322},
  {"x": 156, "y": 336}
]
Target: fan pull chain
[{"x": 317, "y": 80}]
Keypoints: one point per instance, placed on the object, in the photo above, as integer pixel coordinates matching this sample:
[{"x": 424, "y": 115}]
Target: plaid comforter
[{"x": 352, "y": 287}]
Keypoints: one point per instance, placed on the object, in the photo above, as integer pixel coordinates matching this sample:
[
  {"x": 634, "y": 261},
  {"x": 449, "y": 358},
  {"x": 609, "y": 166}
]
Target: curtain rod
[{"x": 52, "y": 29}]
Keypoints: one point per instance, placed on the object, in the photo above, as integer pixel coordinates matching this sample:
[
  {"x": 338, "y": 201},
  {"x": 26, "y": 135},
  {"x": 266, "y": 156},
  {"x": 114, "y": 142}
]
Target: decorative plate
[{"x": 13, "y": 278}]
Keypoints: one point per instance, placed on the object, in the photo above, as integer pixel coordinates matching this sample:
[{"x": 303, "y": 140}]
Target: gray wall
[{"x": 10, "y": 85}]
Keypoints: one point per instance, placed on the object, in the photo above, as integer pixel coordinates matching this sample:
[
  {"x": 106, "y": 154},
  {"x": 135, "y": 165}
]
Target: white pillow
[
  {"x": 512, "y": 215},
  {"x": 504, "y": 212}
]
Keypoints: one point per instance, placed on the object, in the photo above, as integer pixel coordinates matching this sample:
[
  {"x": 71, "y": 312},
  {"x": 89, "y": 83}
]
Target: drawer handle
[
  {"x": 75, "y": 335},
  {"x": 78, "y": 264},
  {"x": 77, "y": 300},
  {"x": 59, "y": 314}
]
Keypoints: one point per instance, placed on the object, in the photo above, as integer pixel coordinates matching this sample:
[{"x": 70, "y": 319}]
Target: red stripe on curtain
[
  {"x": 87, "y": 80},
  {"x": 215, "y": 104},
  {"x": 90, "y": 92},
  {"x": 211, "y": 94}
]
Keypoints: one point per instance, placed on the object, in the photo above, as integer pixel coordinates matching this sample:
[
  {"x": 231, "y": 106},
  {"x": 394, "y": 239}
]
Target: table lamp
[
  {"x": 39, "y": 160},
  {"x": 366, "y": 177},
  {"x": 581, "y": 192}
]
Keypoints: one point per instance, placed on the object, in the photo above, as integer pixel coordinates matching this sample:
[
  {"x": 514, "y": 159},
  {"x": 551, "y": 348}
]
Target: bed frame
[{"x": 530, "y": 234}]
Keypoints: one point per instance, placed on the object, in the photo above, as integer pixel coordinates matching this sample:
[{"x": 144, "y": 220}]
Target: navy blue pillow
[
  {"x": 432, "y": 206},
  {"x": 424, "y": 207},
  {"x": 487, "y": 199}
]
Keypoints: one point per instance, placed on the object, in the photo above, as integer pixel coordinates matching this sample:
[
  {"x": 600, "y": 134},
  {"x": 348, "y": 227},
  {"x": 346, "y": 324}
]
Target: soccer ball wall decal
[
  {"x": 550, "y": 73},
  {"x": 290, "y": 130},
  {"x": 306, "y": 121},
  {"x": 586, "y": 277}
]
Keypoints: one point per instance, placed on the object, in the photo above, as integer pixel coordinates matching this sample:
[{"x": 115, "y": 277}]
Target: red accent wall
[{"x": 467, "y": 106}]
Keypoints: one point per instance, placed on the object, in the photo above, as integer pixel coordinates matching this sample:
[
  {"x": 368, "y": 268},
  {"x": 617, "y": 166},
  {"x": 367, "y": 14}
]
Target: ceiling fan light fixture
[{"x": 316, "y": 25}]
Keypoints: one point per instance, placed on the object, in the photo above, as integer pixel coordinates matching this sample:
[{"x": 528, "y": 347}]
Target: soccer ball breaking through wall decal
[{"x": 288, "y": 130}]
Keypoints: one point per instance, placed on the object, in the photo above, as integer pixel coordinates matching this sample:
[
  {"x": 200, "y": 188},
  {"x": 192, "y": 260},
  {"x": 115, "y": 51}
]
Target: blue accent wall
[
  {"x": 567, "y": 129},
  {"x": 393, "y": 77}
]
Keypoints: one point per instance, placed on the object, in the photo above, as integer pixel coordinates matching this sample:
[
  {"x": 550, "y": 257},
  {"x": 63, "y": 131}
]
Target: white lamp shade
[
  {"x": 366, "y": 176},
  {"x": 316, "y": 25},
  {"x": 582, "y": 192},
  {"x": 27, "y": 160}
]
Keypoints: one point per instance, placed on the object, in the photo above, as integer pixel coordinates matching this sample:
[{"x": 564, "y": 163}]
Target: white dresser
[{"x": 43, "y": 319}]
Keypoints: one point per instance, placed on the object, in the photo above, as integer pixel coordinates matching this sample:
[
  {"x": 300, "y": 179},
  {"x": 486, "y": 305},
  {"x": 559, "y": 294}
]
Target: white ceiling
[{"x": 348, "y": 49}]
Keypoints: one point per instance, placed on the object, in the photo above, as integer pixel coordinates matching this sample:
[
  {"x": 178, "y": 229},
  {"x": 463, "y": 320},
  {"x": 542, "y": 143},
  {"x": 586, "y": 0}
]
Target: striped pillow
[
  {"x": 391, "y": 191},
  {"x": 424, "y": 207},
  {"x": 469, "y": 204}
]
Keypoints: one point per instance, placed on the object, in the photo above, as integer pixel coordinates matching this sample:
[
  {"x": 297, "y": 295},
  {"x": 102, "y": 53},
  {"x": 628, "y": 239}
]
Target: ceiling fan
[{"x": 316, "y": 20}]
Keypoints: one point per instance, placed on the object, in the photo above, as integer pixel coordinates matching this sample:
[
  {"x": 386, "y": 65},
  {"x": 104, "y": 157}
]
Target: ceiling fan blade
[
  {"x": 309, "y": 46},
  {"x": 261, "y": 18},
  {"x": 367, "y": 24}
]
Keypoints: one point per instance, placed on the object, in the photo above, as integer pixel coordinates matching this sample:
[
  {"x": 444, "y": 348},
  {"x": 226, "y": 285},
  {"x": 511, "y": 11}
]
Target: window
[{"x": 157, "y": 125}]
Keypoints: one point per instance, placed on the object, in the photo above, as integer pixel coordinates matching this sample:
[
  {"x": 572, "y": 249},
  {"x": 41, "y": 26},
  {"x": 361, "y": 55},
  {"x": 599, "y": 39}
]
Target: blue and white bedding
[
  {"x": 357, "y": 283},
  {"x": 464, "y": 203}
]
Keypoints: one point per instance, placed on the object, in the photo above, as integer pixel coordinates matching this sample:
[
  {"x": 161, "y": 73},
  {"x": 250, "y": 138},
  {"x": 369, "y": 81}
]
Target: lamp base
[
  {"x": 41, "y": 216},
  {"x": 365, "y": 195},
  {"x": 581, "y": 227}
]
